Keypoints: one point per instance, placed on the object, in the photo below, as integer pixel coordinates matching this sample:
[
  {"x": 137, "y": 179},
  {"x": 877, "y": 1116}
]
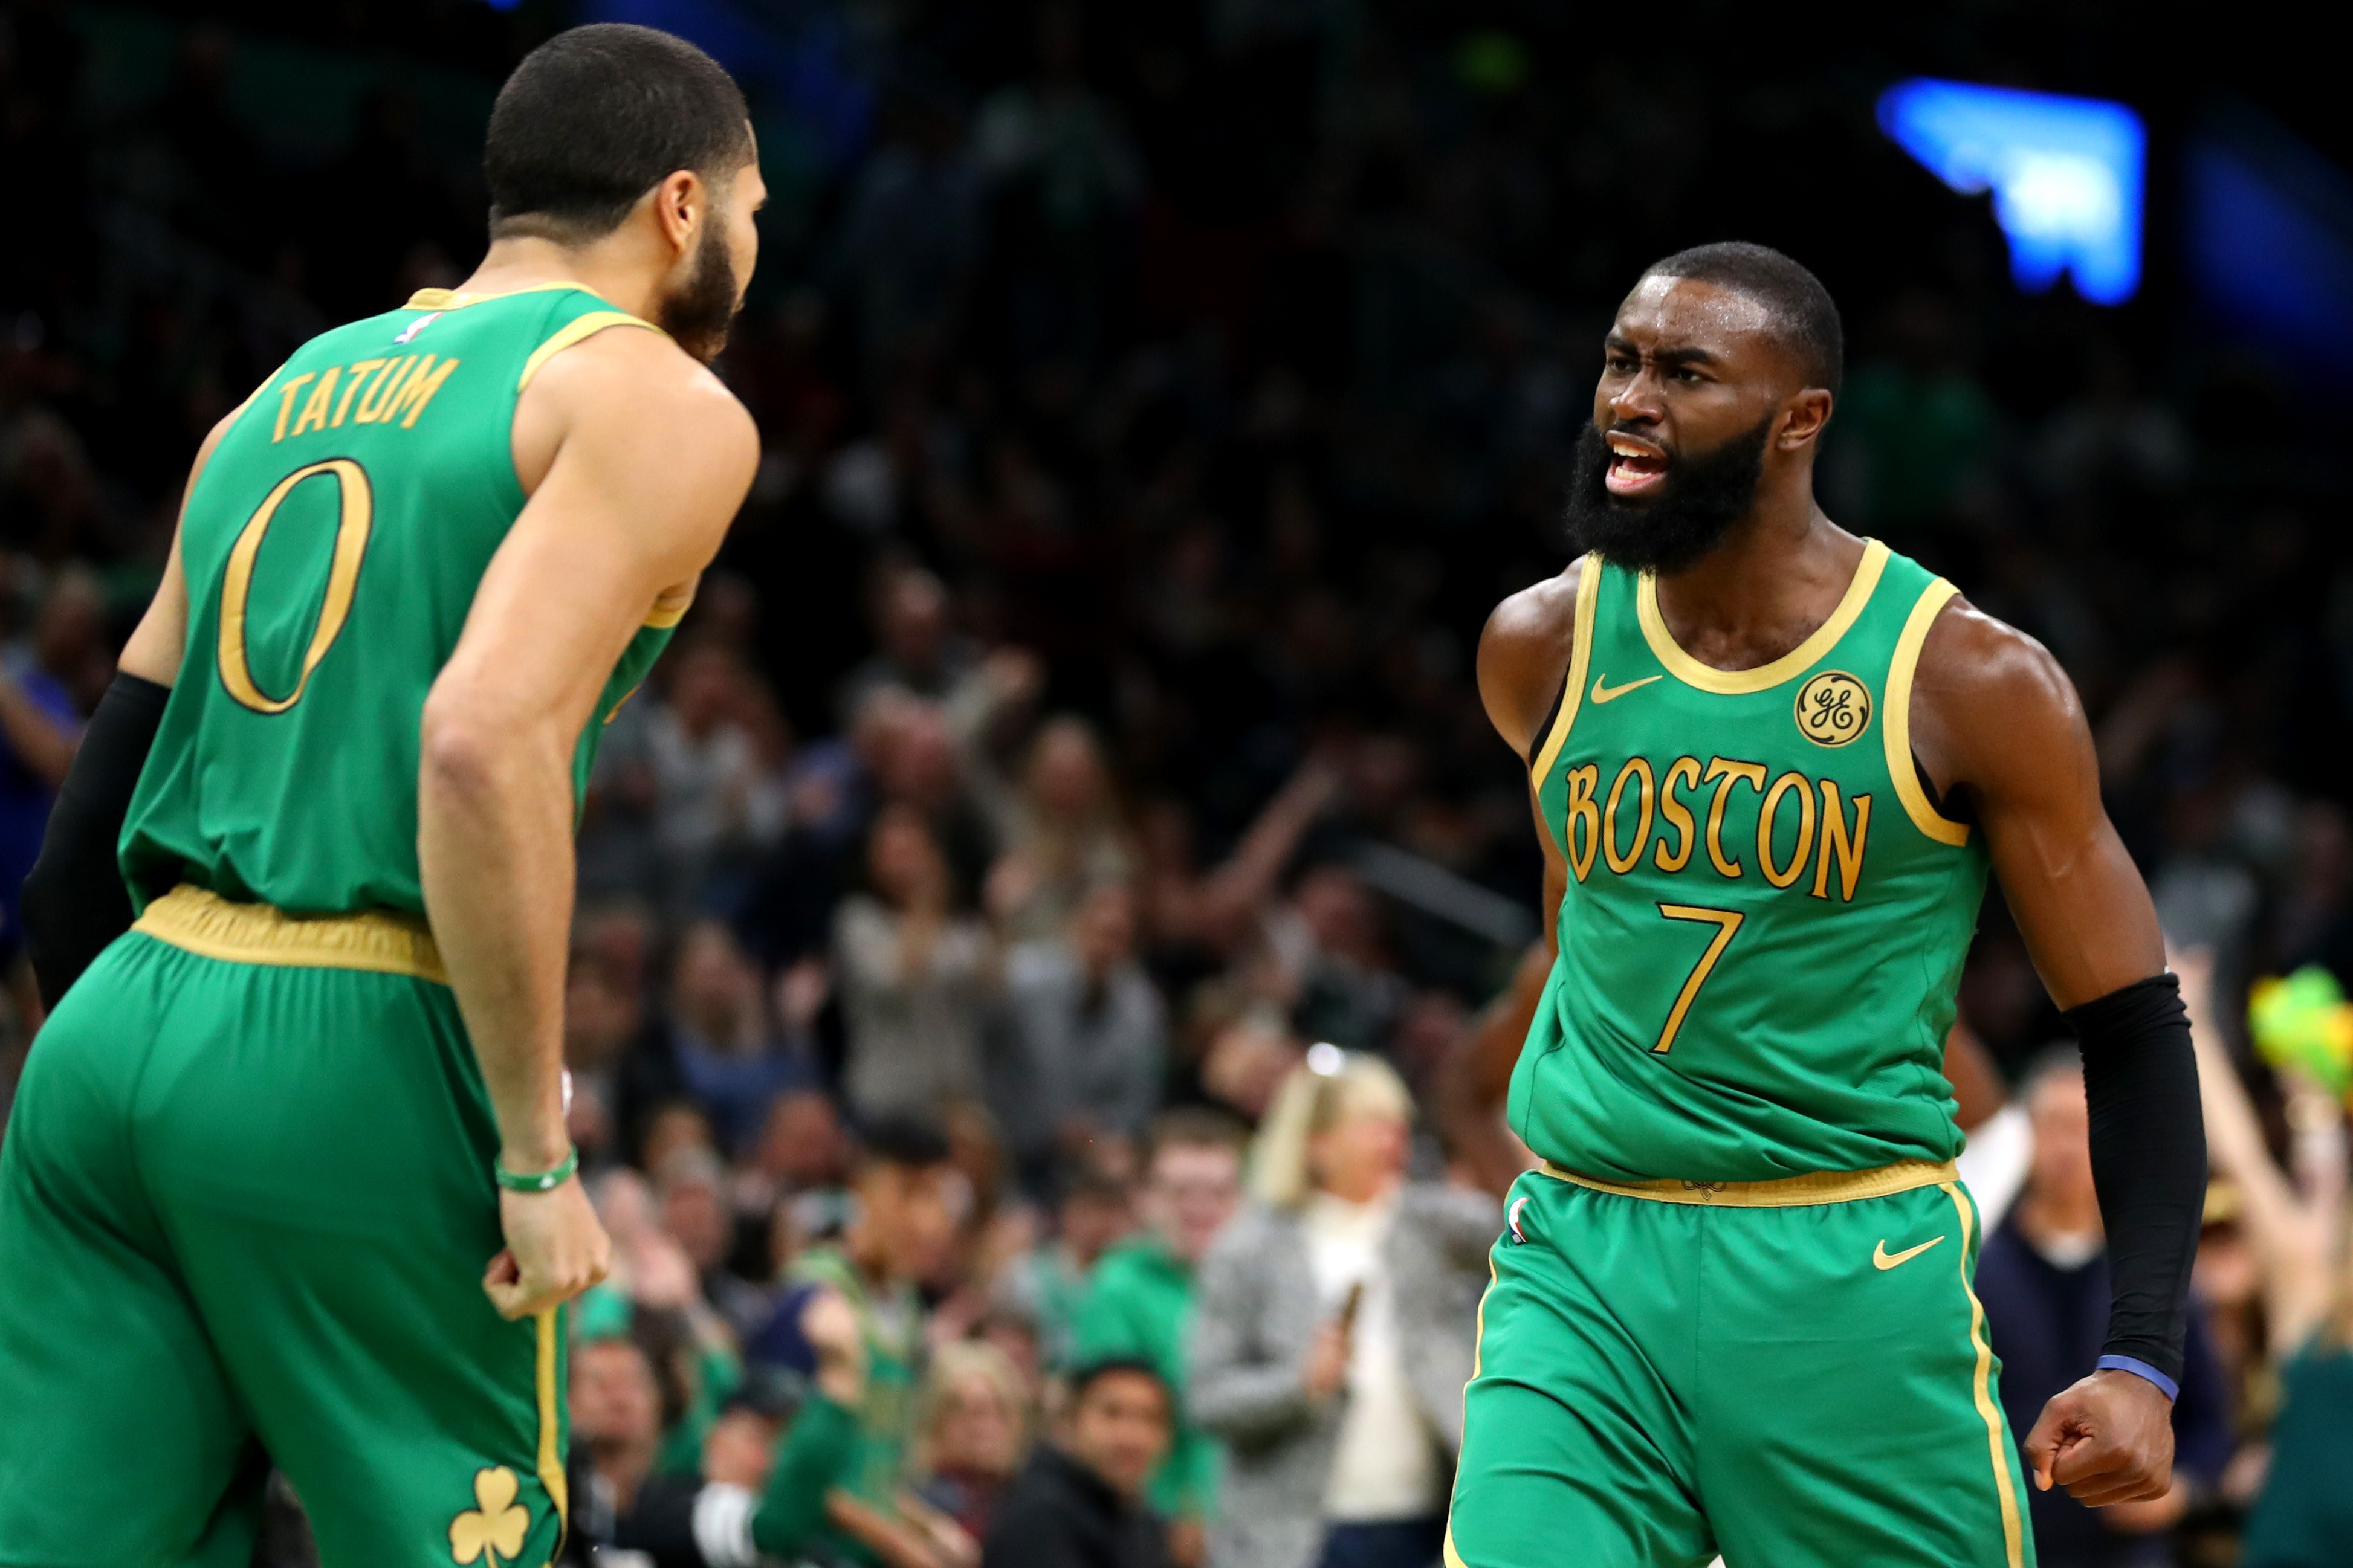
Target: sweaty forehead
[{"x": 1682, "y": 312}]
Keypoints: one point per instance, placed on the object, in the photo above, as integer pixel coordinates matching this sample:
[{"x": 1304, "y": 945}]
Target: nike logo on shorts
[
  {"x": 1882, "y": 1258},
  {"x": 1605, "y": 693}
]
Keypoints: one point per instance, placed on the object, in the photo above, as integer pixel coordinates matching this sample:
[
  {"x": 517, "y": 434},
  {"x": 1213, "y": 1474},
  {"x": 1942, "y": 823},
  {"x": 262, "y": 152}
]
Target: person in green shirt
[
  {"x": 1140, "y": 1301},
  {"x": 903, "y": 1220}
]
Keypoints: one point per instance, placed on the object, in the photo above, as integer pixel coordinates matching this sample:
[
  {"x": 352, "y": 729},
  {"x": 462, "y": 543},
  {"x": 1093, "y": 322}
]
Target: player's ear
[
  {"x": 1802, "y": 418},
  {"x": 680, "y": 201}
]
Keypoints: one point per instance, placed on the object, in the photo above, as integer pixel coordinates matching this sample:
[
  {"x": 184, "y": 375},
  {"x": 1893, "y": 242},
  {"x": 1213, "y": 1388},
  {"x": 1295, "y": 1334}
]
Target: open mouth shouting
[{"x": 1637, "y": 465}]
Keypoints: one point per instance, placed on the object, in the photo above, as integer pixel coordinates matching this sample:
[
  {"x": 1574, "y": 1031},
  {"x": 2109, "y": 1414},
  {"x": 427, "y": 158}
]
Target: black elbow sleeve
[
  {"x": 2148, "y": 1160},
  {"x": 75, "y": 901}
]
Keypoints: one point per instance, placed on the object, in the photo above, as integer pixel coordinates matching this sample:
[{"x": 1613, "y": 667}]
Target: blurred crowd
[{"x": 1030, "y": 916}]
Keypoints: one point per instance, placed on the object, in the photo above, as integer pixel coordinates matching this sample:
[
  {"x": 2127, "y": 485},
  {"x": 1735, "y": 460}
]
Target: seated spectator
[
  {"x": 1080, "y": 1503},
  {"x": 728, "y": 1059},
  {"x": 2043, "y": 1277},
  {"x": 973, "y": 1432},
  {"x": 753, "y": 1500},
  {"x": 903, "y": 1218},
  {"x": 692, "y": 1187},
  {"x": 1047, "y": 1285},
  {"x": 916, "y": 979},
  {"x": 1335, "y": 1331},
  {"x": 1088, "y": 1039},
  {"x": 1140, "y": 1303}
]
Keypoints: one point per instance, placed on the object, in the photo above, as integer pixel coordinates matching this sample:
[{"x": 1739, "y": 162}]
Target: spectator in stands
[
  {"x": 906, "y": 1198},
  {"x": 1141, "y": 1302},
  {"x": 1080, "y": 1503},
  {"x": 2303, "y": 1252},
  {"x": 2043, "y": 1278},
  {"x": 1046, "y": 1287},
  {"x": 1334, "y": 1331},
  {"x": 729, "y": 1059},
  {"x": 1087, "y": 1039},
  {"x": 973, "y": 1432},
  {"x": 916, "y": 978},
  {"x": 1062, "y": 831},
  {"x": 756, "y": 1497}
]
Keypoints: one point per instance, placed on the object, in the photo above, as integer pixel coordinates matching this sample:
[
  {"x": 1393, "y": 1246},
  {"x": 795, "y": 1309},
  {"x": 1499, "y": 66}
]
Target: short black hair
[
  {"x": 1087, "y": 1373},
  {"x": 910, "y": 1141},
  {"x": 1804, "y": 315},
  {"x": 595, "y": 117}
]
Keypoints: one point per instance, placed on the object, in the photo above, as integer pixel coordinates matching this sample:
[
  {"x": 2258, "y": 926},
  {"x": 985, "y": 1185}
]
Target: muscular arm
[
  {"x": 1997, "y": 721},
  {"x": 642, "y": 459},
  {"x": 1524, "y": 654}
]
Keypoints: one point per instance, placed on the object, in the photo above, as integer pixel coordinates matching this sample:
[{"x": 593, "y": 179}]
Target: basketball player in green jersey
[
  {"x": 287, "y": 1174},
  {"x": 1772, "y": 765}
]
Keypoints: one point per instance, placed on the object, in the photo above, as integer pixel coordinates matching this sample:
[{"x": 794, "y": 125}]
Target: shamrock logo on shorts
[{"x": 493, "y": 1530}]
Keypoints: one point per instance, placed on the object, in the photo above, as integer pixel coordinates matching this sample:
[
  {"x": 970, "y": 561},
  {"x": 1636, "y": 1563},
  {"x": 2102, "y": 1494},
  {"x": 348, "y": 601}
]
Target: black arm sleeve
[
  {"x": 2148, "y": 1160},
  {"x": 75, "y": 902}
]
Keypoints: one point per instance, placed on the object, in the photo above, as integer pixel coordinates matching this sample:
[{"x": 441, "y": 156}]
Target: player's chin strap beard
[
  {"x": 699, "y": 314},
  {"x": 1703, "y": 495}
]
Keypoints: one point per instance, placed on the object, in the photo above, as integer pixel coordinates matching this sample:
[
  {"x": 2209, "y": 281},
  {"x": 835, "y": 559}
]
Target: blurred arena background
[{"x": 1156, "y": 398}]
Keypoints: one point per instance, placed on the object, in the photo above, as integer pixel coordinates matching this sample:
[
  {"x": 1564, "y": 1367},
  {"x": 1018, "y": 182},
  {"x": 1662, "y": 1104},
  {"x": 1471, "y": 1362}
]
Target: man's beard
[
  {"x": 704, "y": 307},
  {"x": 1704, "y": 494}
]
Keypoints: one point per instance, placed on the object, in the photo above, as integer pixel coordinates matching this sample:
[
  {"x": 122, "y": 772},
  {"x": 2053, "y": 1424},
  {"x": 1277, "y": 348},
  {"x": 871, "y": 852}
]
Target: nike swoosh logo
[
  {"x": 1602, "y": 693},
  {"x": 1882, "y": 1258}
]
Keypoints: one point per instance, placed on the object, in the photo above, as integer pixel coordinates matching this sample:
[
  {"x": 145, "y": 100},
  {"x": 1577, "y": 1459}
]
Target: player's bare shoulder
[
  {"x": 638, "y": 388},
  {"x": 1988, "y": 700},
  {"x": 1525, "y": 651}
]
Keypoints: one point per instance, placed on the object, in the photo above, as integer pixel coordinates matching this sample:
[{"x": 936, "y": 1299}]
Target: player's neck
[
  {"x": 1778, "y": 574},
  {"x": 613, "y": 269}
]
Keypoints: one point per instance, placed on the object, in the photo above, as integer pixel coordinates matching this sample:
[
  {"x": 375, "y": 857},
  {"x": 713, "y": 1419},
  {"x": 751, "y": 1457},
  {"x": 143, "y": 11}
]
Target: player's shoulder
[
  {"x": 1976, "y": 664},
  {"x": 643, "y": 377},
  {"x": 1525, "y": 652}
]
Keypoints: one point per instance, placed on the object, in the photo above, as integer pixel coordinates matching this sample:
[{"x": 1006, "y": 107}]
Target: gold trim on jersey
[
  {"x": 550, "y": 1454},
  {"x": 381, "y": 942},
  {"x": 1580, "y": 659},
  {"x": 1765, "y": 677},
  {"x": 577, "y": 330},
  {"x": 1981, "y": 1389},
  {"x": 671, "y": 604},
  {"x": 451, "y": 300},
  {"x": 1789, "y": 1192},
  {"x": 1895, "y": 730}
]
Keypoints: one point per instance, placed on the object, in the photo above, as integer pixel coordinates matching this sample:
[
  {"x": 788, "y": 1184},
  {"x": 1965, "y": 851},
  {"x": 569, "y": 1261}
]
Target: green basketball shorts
[
  {"x": 244, "y": 1207},
  {"x": 1786, "y": 1372}
]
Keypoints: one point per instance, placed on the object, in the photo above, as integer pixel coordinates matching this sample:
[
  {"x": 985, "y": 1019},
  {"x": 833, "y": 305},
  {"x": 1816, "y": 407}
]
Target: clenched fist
[{"x": 2107, "y": 1439}]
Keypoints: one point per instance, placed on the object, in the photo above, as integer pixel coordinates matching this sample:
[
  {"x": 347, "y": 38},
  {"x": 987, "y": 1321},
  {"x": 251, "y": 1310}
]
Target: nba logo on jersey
[{"x": 415, "y": 327}]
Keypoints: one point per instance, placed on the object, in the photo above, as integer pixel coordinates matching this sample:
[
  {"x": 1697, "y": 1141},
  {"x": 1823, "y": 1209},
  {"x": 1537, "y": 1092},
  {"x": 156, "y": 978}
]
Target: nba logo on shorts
[{"x": 1519, "y": 1236}]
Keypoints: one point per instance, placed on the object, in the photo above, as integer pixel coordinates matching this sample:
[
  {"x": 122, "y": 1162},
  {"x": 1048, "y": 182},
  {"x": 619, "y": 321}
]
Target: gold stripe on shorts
[
  {"x": 551, "y": 1457},
  {"x": 1789, "y": 1192},
  {"x": 378, "y": 940}
]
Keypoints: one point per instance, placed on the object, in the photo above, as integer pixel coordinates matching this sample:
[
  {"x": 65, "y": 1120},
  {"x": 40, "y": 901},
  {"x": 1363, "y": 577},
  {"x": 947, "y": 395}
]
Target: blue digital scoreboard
[{"x": 2066, "y": 173}]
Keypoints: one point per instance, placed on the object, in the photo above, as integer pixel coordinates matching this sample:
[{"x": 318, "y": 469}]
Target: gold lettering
[
  {"x": 1582, "y": 782},
  {"x": 351, "y": 390},
  {"x": 1835, "y": 841},
  {"x": 371, "y": 400},
  {"x": 416, "y": 392},
  {"x": 1633, "y": 858},
  {"x": 1781, "y": 786},
  {"x": 1729, "y": 774},
  {"x": 1678, "y": 817},
  {"x": 316, "y": 406},
  {"x": 286, "y": 404}
]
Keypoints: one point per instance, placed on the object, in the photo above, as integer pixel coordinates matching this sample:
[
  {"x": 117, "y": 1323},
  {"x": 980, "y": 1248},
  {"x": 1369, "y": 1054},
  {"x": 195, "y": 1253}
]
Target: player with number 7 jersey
[{"x": 1773, "y": 765}]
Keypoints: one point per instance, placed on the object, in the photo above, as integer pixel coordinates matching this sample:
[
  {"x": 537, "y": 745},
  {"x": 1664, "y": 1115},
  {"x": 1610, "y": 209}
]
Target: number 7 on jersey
[{"x": 1728, "y": 923}]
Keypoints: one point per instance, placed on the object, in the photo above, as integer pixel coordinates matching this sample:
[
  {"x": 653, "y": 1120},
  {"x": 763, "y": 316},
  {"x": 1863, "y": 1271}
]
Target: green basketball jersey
[
  {"x": 331, "y": 547},
  {"x": 1765, "y": 913}
]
